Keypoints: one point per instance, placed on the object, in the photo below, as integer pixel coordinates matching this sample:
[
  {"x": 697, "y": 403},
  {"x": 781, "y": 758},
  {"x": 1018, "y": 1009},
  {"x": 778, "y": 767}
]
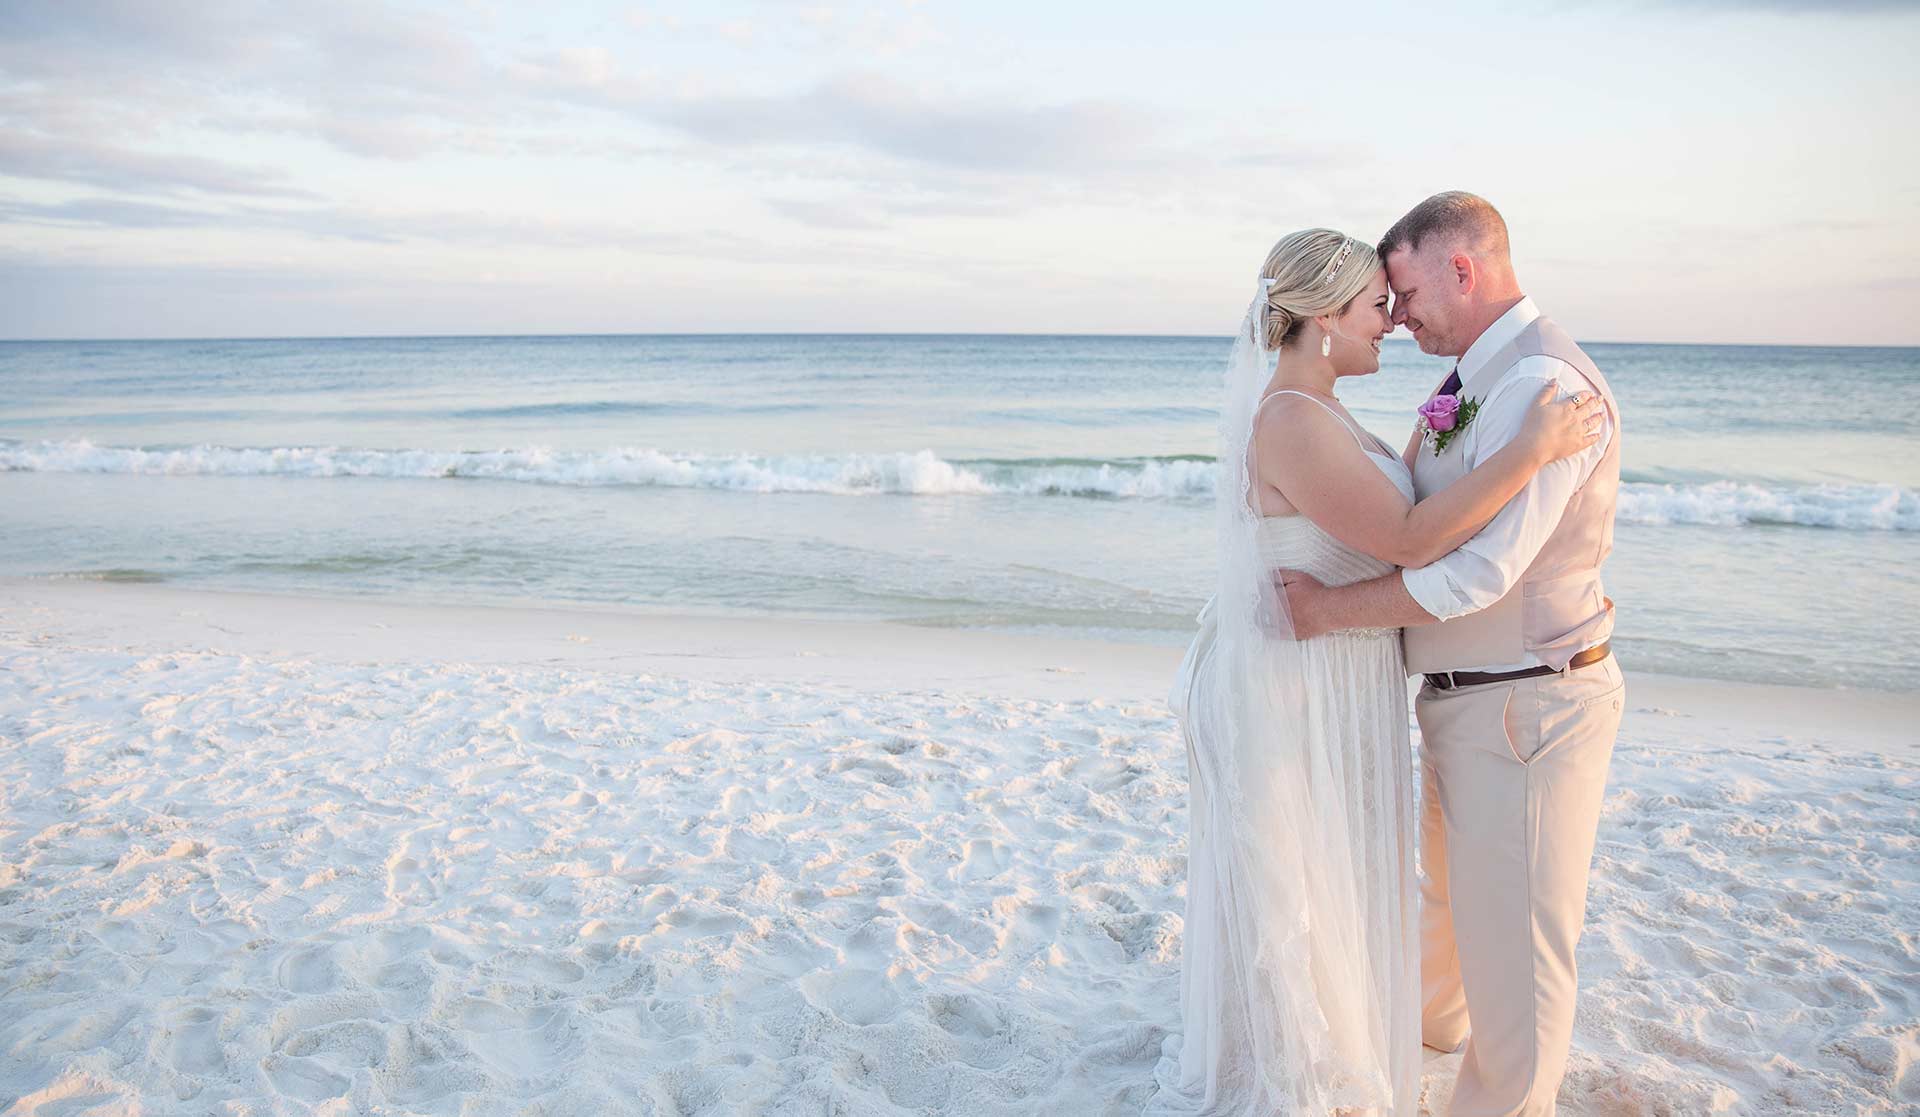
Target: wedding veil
[{"x": 1280, "y": 1019}]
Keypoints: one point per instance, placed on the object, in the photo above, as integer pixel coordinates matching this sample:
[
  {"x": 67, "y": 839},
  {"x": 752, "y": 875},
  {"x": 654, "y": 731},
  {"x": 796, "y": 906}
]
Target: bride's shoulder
[
  {"x": 1299, "y": 416},
  {"x": 1285, "y": 407}
]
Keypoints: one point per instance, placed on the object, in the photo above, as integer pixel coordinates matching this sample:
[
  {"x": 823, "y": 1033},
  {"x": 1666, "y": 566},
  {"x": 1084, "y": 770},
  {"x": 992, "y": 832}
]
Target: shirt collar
[{"x": 1504, "y": 329}]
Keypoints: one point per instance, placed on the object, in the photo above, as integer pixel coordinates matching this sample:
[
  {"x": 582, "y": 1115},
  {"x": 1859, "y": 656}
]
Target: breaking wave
[{"x": 1855, "y": 507}]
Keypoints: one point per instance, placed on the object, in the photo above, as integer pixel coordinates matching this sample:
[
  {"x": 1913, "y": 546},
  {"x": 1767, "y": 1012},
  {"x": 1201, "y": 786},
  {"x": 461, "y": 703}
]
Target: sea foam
[{"x": 1723, "y": 503}]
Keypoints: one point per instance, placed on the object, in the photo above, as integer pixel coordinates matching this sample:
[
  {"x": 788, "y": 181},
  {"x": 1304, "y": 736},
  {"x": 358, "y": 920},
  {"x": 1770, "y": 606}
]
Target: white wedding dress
[{"x": 1299, "y": 979}]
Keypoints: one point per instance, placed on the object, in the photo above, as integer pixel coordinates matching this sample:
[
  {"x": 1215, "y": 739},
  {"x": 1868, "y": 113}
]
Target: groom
[{"x": 1522, "y": 698}]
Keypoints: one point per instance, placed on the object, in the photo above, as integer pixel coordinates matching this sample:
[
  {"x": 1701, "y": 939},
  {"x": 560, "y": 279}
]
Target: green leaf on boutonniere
[{"x": 1468, "y": 409}]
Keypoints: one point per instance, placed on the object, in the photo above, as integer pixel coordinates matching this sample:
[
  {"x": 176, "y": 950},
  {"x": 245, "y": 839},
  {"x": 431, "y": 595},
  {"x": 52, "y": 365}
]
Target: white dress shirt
[{"x": 1483, "y": 569}]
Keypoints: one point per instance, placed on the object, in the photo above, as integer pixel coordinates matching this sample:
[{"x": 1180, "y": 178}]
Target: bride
[{"x": 1299, "y": 980}]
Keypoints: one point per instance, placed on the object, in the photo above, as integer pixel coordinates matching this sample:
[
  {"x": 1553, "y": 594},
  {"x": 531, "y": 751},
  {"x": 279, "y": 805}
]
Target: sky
[{"x": 1698, "y": 171}]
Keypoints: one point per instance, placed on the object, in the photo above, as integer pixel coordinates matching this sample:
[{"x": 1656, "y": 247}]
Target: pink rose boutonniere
[{"x": 1442, "y": 417}]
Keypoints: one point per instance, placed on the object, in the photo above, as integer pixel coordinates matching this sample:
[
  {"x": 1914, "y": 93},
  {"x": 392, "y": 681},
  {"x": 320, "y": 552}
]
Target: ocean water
[{"x": 1768, "y": 530}]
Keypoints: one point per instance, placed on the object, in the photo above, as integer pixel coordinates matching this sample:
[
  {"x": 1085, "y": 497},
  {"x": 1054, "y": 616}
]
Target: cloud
[
  {"x": 877, "y": 204},
  {"x": 33, "y": 30},
  {"x": 348, "y": 73},
  {"x": 862, "y": 112},
  {"x": 509, "y": 232},
  {"x": 893, "y": 119},
  {"x": 368, "y": 226},
  {"x": 842, "y": 215},
  {"x": 869, "y": 32},
  {"x": 585, "y": 76},
  {"x": 1899, "y": 284},
  {"x": 383, "y": 85},
  {"x": 96, "y": 164},
  {"x": 351, "y": 39},
  {"x": 376, "y": 138},
  {"x": 1810, "y": 7},
  {"x": 107, "y": 213}
]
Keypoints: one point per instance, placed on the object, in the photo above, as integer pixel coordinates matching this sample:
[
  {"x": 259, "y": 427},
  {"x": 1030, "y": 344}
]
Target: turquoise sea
[{"x": 1769, "y": 529}]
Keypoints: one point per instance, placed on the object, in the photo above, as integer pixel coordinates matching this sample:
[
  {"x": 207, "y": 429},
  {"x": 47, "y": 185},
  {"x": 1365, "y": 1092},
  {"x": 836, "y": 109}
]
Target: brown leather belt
[{"x": 1447, "y": 680}]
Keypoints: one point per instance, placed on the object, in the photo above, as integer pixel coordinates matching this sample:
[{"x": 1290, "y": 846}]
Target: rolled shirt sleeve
[{"x": 1483, "y": 569}]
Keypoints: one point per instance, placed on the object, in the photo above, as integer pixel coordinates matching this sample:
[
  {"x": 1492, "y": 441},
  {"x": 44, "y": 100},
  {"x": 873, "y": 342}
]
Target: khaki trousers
[{"x": 1512, "y": 776}]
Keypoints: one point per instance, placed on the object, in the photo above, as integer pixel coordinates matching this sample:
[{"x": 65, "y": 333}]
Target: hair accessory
[{"x": 1340, "y": 258}]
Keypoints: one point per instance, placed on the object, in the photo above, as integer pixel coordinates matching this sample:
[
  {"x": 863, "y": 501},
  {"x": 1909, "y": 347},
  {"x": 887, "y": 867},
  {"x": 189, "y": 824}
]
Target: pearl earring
[{"x": 1326, "y": 345}]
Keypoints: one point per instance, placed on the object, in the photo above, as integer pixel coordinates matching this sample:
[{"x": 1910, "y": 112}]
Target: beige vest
[{"x": 1558, "y": 608}]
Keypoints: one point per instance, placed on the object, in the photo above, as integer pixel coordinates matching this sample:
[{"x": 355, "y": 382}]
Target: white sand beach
[{"x": 274, "y": 855}]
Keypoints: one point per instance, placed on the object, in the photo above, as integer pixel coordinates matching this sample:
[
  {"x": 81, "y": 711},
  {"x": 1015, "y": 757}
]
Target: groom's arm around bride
[
  {"x": 1521, "y": 698},
  {"x": 1487, "y": 566}
]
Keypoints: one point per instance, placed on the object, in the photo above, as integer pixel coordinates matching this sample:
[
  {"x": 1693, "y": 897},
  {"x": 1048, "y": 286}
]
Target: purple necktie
[{"x": 1452, "y": 386}]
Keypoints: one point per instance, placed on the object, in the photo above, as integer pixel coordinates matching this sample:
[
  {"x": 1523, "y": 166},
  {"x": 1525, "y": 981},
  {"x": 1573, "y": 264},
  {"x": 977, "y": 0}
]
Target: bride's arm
[{"x": 1319, "y": 468}]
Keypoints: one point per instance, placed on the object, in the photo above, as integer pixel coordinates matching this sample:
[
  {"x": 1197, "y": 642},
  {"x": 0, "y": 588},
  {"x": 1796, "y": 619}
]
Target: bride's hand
[
  {"x": 1304, "y": 594},
  {"x": 1558, "y": 429}
]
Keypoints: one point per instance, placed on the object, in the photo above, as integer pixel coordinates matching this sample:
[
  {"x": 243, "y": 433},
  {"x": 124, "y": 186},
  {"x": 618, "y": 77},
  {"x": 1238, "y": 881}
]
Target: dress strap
[{"x": 1323, "y": 403}]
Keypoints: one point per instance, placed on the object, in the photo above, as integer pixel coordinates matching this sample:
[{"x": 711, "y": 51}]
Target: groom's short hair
[{"x": 1467, "y": 219}]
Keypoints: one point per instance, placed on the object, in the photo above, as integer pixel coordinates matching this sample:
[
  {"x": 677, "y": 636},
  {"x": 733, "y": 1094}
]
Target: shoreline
[{"x": 865, "y": 655}]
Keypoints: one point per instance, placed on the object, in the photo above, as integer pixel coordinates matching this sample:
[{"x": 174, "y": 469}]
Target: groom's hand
[{"x": 1306, "y": 603}]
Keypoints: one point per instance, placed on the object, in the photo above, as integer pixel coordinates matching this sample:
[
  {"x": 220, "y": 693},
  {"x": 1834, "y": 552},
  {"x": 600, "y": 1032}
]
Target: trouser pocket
[{"x": 1496, "y": 718}]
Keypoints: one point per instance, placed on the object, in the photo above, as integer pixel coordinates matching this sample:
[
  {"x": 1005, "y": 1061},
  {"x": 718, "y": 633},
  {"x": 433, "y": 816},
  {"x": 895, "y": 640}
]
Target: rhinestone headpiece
[{"x": 1339, "y": 258}]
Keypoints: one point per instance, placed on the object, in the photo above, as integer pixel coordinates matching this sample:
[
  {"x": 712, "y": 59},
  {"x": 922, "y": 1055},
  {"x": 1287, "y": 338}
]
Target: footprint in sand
[
  {"x": 480, "y": 779},
  {"x": 1111, "y": 898},
  {"x": 878, "y": 770},
  {"x": 1027, "y": 922},
  {"x": 294, "y": 1023},
  {"x": 985, "y": 860},
  {"x": 308, "y": 970},
  {"x": 533, "y": 968},
  {"x": 1129, "y": 1043},
  {"x": 194, "y": 1045},
  {"x": 972, "y": 935},
  {"x": 742, "y": 846},
  {"x": 408, "y": 881},
  {"x": 965, "y": 1015},
  {"x": 405, "y": 987},
  {"x": 304, "y": 1080},
  {"x": 521, "y": 1043},
  {"x": 1149, "y": 933},
  {"x": 984, "y": 1033},
  {"x": 344, "y": 1043},
  {"x": 859, "y": 997}
]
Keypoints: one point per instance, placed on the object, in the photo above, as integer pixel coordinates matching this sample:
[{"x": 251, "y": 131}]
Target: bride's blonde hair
[{"x": 1312, "y": 272}]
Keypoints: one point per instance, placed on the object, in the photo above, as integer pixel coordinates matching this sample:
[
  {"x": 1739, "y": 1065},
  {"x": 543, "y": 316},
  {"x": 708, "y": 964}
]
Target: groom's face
[{"x": 1421, "y": 300}]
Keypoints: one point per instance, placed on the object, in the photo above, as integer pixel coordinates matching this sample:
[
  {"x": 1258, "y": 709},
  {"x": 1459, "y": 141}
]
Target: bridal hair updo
[{"x": 1302, "y": 288}]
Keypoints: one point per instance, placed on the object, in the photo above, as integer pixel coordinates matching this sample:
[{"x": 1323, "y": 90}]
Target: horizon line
[{"x": 845, "y": 334}]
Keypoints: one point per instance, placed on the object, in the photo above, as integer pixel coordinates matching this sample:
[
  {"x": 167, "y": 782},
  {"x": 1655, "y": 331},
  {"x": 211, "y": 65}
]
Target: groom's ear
[{"x": 1466, "y": 273}]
